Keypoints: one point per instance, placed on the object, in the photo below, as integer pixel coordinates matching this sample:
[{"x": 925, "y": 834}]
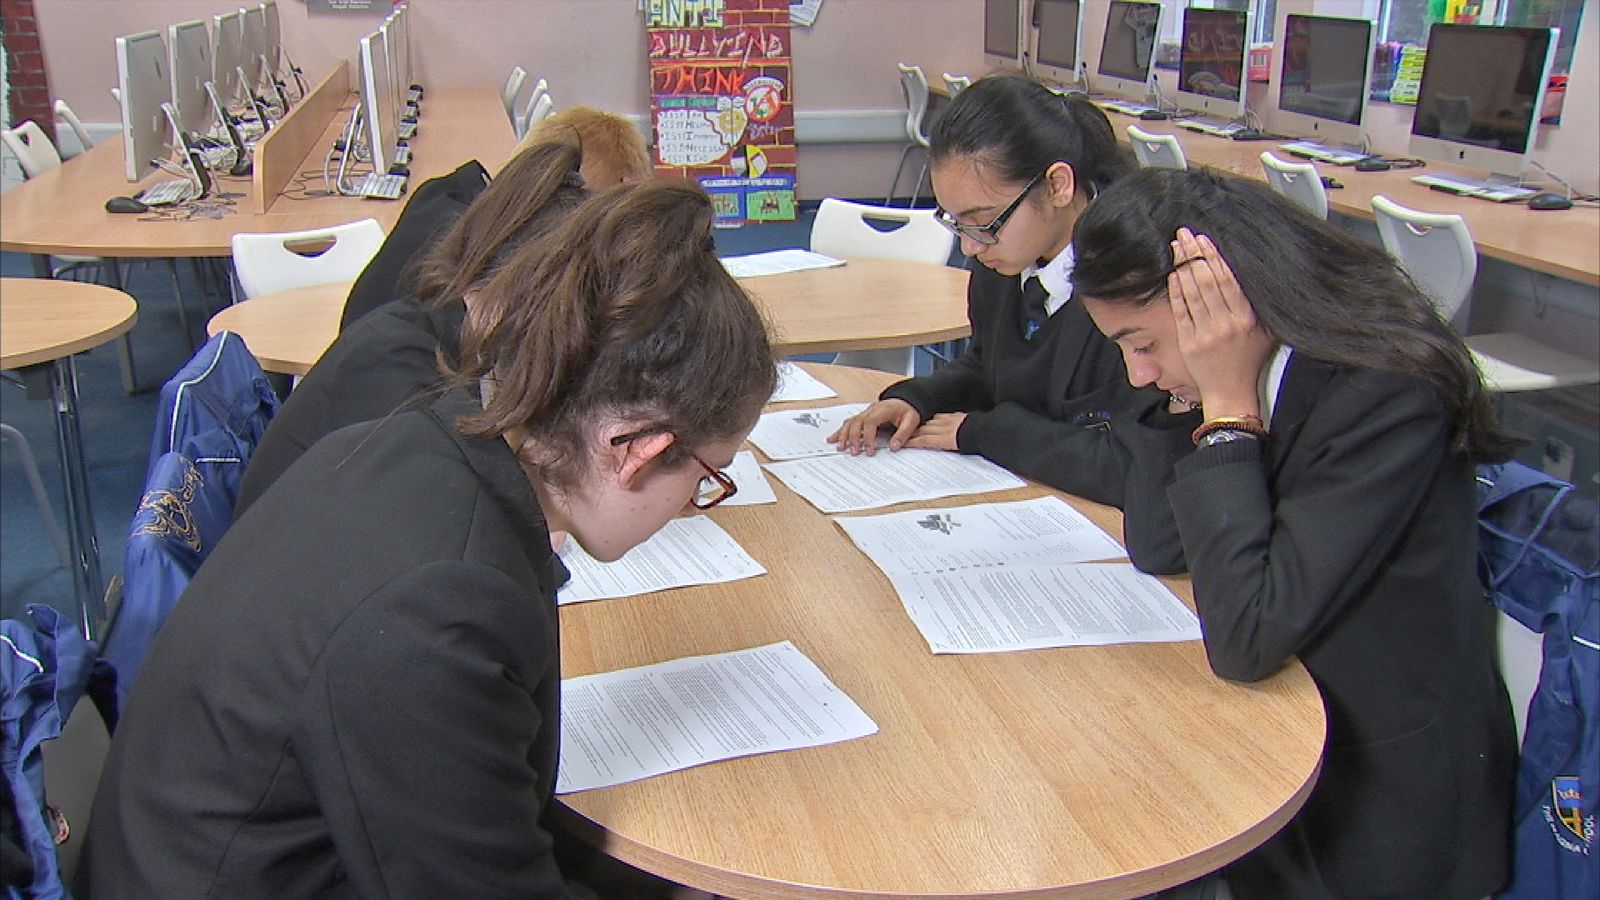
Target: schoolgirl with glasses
[{"x": 1038, "y": 390}]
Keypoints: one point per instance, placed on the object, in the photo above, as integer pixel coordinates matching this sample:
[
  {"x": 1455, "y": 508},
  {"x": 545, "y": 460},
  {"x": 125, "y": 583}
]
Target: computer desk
[
  {"x": 63, "y": 210},
  {"x": 1563, "y": 243},
  {"x": 866, "y": 304},
  {"x": 1075, "y": 772}
]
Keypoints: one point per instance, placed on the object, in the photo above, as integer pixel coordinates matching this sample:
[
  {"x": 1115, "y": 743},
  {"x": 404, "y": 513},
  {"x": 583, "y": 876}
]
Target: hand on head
[{"x": 1223, "y": 346}]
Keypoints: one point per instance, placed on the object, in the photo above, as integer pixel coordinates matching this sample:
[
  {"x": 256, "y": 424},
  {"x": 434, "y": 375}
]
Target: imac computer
[
  {"x": 377, "y": 102},
  {"x": 272, "y": 39},
  {"x": 190, "y": 46},
  {"x": 397, "y": 44},
  {"x": 1002, "y": 34},
  {"x": 1212, "y": 62},
  {"x": 227, "y": 54},
  {"x": 1324, "y": 77},
  {"x": 1479, "y": 101},
  {"x": 1057, "y": 45},
  {"x": 256, "y": 70},
  {"x": 1128, "y": 49},
  {"x": 142, "y": 86}
]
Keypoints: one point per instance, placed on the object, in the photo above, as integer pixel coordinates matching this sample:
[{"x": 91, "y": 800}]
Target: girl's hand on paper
[
  {"x": 939, "y": 432},
  {"x": 859, "y": 433}
]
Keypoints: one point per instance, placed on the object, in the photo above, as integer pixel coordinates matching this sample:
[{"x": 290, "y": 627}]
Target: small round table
[
  {"x": 866, "y": 304},
  {"x": 42, "y": 324}
]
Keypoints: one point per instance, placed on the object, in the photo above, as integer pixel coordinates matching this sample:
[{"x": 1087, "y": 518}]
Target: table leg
[{"x": 81, "y": 540}]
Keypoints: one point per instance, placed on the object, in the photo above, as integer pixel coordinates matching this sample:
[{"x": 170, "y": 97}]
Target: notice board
[{"x": 720, "y": 102}]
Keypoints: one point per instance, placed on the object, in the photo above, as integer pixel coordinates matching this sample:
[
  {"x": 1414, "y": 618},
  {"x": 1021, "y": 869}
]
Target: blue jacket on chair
[
  {"x": 1540, "y": 557},
  {"x": 212, "y": 415},
  {"x": 45, "y": 663}
]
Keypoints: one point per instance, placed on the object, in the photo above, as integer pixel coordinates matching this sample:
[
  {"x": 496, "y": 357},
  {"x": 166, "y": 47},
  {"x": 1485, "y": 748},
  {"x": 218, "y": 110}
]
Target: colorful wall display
[{"x": 720, "y": 102}]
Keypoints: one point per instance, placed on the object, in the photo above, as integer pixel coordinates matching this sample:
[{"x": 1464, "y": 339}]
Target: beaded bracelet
[{"x": 1251, "y": 425}]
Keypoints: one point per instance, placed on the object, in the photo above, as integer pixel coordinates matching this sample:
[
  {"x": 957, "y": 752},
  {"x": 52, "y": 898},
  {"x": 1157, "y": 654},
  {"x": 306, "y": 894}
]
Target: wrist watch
[{"x": 1224, "y": 436}]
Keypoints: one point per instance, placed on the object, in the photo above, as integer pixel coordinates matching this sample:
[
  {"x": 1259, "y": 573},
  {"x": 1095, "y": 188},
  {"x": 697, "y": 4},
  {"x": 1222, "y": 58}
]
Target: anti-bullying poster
[{"x": 720, "y": 103}]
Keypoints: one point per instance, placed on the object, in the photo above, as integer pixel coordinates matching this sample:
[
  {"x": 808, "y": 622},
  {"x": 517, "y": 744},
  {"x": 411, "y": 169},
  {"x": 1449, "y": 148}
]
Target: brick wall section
[{"x": 30, "y": 88}]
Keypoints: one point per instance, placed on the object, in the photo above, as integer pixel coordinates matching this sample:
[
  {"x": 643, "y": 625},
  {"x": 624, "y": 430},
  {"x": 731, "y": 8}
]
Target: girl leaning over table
[
  {"x": 359, "y": 692},
  {"x": 1327, "y": 512},
  {"x": 1038, "y": 390}
]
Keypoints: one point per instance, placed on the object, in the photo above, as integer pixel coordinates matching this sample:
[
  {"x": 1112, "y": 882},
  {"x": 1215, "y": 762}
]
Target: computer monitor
[
  {"x": 190, "y": 46},
  {"x": 1324, "y": 77},
  {"x": 1128, "y": 49},
  {"x": 1481, "y": 92},
  {"x": 397, "y": 44},
  {"x": 272, "y": 45},
  {"x": 1057, "y": 45},
  {"x": 227, "y": 53},
  {"x": 1213, "y": 60},
  {"x": 377, "y": 102},
  {"x": 142, "y": 86},
  {"x": 253, "y": 28},
  {"x": 1002, "y": 33}
]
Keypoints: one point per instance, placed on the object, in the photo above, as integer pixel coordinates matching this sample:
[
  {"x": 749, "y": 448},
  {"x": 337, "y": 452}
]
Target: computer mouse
[
  {"x": 1372, "y": 164},
  {"x": 125, "y": 205},
  {"x": 1549, "y": 201},
  {"x": 1149, "y": 114},
  {"x": 1247, "y": 134},
  {"x": 1331, "y": 183}
]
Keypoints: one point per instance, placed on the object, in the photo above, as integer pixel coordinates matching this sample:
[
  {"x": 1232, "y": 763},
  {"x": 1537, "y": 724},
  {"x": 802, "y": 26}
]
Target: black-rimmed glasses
[
  {"x": 715, "y": 486},
  {"x": 989, "y": 234}
]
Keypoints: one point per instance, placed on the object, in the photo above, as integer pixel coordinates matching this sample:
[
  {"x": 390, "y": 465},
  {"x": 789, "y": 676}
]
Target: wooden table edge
[{"x": 87, "y": 342}]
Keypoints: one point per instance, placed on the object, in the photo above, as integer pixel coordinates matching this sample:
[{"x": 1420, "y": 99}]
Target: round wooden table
[
  {"x": 1112, "y": 771},
  {"x": 42, "y": 324},
  {"x": 866, "y": 304}
]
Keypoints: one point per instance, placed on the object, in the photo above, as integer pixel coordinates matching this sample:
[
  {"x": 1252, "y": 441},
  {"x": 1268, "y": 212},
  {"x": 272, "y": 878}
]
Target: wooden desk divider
[{"x": 280, "y": 151}]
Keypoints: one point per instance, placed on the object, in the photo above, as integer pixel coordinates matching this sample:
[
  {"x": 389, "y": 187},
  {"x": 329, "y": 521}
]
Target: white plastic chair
[
  {"x": 30, "y": 470},
  {"x": 269, "y": 262},
  {"x": 1156, "y": 151},
  {"x": 1299, "y": 182},
  {"x": 34, "y": 152},
  {"x": 955, "y": 84},
  {"x": 846, "y": 230},
  {"x": 524, "y": 119},
  {"x": 1436, "y": 249},
  {"x": 541, "y": 109},
  {"x": 915, "y": 86},
  {"x": 513, "y": 87},
  {"x": 64, "y": 113}
]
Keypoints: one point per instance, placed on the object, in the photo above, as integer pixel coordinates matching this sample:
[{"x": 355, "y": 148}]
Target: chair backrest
[
  {"x": 65, "y": 114},
  {"x": 1435, "y": 249},
  {"x": 915, "y": 85},
  {"x": 513, "y": 87},
  {"x": 846, "y": 230},
  {"x": 956, "y": 83},
  {"x": 524, "y": 118},
  {"x": 33, "y": 150},
  {"x": 1156, "y": 150},
  {"x": 269, "y": 262},
  {"x": 1299, "y": 182}
]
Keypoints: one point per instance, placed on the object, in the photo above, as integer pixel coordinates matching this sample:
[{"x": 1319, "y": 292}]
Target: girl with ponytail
[
  {"x": 360, "y": 692},
  {"x": 1014, "y": 166}
]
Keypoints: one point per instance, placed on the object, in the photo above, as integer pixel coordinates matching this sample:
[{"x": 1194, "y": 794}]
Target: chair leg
[
  {"x": 125, "y": 343},
  {"x": 889, "y": 200},
  {"x": 183, "y": 309},
  {"x": 30, "y": 469},
  {"x": 916, "y": 190}
]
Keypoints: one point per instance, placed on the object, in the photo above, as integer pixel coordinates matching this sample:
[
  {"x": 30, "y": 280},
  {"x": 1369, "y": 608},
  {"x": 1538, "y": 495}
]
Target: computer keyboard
[
  {"x": 406, "y": 130},
  {"x": 1322, "y": 153},
  {"x": 167, "y": 193},
  {"x": 382, "y": 186},
  {"x": 1126, "y": 107},
  {"x": 1220, "y": 129},
  {"x": 1498, "y": 191},
  {"x": 402, "y": 155}
]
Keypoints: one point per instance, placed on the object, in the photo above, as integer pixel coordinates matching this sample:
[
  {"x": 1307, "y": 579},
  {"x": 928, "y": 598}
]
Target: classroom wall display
[{"x": 721, "y": 105}]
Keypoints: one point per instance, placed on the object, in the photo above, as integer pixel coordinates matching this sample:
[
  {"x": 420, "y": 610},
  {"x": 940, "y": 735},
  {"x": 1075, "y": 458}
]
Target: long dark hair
[
  {"x": 536, "y": 187},
  {"x": 621, "y": 310},
  {"x": 1329, "y": 295},
  {"x": 1017, "y": 127}
]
